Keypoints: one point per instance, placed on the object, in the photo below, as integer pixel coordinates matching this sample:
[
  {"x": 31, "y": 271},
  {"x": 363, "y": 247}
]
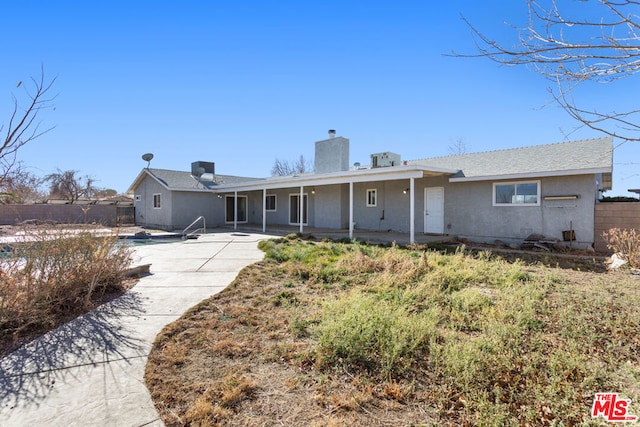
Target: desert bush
[
  {"x": 361, "y": 330},
  {"x": 52, "y": 272},
  {"x": 625, "y": 242}
]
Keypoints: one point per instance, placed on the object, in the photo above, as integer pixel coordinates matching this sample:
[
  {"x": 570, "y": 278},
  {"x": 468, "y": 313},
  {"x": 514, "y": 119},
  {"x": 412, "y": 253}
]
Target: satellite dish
[
  {"x": 198, "y": 172},
  {"x": 147, "y": 158}
]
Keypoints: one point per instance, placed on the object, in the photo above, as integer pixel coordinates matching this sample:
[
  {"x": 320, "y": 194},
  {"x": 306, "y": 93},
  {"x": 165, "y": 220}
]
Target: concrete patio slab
[{"x": 89, "y": 372}]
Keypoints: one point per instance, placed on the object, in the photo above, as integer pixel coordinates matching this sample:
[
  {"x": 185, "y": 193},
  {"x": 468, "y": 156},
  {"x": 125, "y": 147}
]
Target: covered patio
[{"x": 300, "y": 185}]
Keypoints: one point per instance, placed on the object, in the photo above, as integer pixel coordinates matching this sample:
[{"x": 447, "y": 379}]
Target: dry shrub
[
  {"x": 174, "y": 353},
  {"x": 625, "y": 242},
  {"x": 205, "y": 412},
  {"x": 53, "y": 272},
  {"x": 230, "y": 348},
  {"x": 236, "y": 389},
  {"x": 396, "y": 391}
]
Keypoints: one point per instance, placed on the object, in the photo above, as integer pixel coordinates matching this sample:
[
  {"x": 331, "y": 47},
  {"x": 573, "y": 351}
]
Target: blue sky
[{"x": 245, "y": 82}]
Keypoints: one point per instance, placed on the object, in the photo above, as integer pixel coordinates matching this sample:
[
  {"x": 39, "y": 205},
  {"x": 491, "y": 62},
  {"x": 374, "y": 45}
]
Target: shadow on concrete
[{"x": 28, "y": 374}]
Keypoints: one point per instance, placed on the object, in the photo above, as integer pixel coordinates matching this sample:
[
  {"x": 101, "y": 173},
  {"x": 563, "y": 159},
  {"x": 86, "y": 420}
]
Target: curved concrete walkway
[{"x": 89, "y": 372}]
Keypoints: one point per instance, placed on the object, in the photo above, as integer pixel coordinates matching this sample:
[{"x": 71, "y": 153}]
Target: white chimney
[{"x": 332, "y": 133}]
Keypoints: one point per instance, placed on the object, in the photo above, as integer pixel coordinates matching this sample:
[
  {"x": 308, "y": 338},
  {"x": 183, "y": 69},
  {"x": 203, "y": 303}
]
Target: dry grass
[
  {"x": 299, "y": 339},
  {"x": 52, "y": 274}
]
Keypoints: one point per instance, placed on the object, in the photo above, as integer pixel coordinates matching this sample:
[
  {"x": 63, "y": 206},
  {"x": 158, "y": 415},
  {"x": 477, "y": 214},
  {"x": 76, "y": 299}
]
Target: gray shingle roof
[
  {"x": 583, "y": 155},
  {"x": 184, "y": 180}
]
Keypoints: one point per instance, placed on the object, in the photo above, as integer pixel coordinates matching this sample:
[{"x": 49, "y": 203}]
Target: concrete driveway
[{"x": 89, "y": 372}]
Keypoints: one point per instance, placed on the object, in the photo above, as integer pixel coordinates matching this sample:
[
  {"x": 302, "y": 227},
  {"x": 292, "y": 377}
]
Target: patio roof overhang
[{"x": 362, "y": 175}]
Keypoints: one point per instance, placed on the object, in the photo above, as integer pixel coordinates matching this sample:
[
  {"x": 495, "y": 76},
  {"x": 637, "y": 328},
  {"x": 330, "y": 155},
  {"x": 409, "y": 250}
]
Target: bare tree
[
  {"x": 573, "y": 49},
  {"x": 23, "y": 125},
  {"x": 20, "y": 186},
  {"x": 459, "y": 146},
  {"x": 285, "y": 167},
  {"x": 69, "y": 185}
]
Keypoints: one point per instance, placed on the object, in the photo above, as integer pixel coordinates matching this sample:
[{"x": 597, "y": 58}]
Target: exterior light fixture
[{"x": 405, "y": 191}]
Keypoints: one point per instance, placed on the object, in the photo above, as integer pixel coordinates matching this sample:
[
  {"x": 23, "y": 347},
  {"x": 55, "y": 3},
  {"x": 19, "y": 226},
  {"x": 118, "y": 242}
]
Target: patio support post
[
  {"x": 350, "y": 210},
  {"x": 235, "y": 210},
  {"x": 301, "y": 216},
  {"x": 264, "y": 210},
  {"x": 412, "y": 211}
]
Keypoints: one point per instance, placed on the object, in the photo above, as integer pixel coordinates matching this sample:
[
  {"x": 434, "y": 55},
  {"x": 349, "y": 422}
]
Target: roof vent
[{"x": 332, "y": 133}]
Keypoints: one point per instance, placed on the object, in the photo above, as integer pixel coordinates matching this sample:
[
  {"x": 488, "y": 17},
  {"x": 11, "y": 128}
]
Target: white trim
[
  {"x": 412, "y": 211},
  {"x": 159, "y": 200},
  {"x": 370, "y": 191},
  {"x": 529, "y": 175},
  {"x": 351, "y": 224},
  {"x": 300, "y": 213},
  {"x": 275, "y": 202},
  {"x": 264, "y": 210},
  {"x": 538, "y": 194}
]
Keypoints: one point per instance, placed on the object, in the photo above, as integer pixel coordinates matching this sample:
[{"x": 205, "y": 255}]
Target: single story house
[{"x": 504, "y": 194}]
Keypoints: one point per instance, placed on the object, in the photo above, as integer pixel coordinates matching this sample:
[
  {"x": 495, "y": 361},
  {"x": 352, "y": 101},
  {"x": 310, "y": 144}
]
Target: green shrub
[{"x": 361, "y": 330}]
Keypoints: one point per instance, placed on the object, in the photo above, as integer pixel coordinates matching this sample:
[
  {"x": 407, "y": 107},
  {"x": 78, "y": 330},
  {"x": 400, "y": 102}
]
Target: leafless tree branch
[
  {"x": 68, "y": 185},
  {"x": 570, "y": 50},
  {"x": 23, "y": 126},
  {"x": 285, "y": 167}
]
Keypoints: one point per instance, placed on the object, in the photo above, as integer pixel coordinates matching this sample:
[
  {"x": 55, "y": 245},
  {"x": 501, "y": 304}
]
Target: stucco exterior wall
[
  {"x": 187, "y": 206},
  {"x": 392, "y": 208},
  {"x": 329, "y": 203},
  {"x": 469, "y": 211},
  {"x": 146, "y": 214}
]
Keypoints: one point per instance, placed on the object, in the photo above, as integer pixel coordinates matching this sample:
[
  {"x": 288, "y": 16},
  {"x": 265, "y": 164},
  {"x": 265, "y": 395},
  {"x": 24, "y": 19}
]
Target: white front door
[{"x": 434, "y": 210}]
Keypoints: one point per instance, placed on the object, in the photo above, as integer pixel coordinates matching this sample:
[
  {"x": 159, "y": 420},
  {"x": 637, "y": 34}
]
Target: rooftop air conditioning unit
[{"x": 386, "y": 159}]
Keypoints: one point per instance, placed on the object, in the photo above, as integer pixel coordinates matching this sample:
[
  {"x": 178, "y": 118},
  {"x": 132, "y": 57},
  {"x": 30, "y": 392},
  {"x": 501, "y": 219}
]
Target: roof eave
[
  {"x": 533, "y": 175},
  {"x": 343, "y": 177},
  {"x": 147, "y": 172},
  {"x": 138, "y": 180}
]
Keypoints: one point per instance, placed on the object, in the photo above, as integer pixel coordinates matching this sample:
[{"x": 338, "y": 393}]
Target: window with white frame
[
  {"x": 372, "y": 197},
  {"x": 526, "y": 193},
  {"x": 270, "y": 203},
  {"x": 156, "y": 201}
]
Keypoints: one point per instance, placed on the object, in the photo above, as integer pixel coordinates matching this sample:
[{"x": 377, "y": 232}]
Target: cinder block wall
[
  {"x": 66, "y": 214},
  {"x": 614, "y": 215}
]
